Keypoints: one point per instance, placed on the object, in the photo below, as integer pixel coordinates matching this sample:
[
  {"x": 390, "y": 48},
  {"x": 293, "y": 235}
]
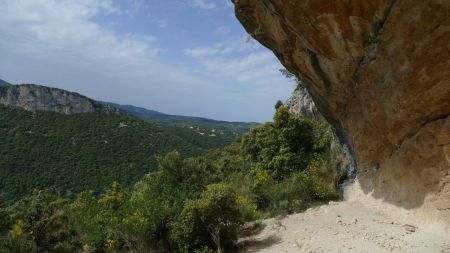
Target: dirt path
[{"x": 344, "y": 227}]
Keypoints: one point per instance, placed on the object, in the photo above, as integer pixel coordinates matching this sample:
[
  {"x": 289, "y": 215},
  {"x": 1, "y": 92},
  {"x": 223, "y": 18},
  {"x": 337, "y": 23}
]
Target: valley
[
  {"x": 187, "y": 121},
  {"x": 356, "y": 159},
  {"x": 51, "y": 138}
]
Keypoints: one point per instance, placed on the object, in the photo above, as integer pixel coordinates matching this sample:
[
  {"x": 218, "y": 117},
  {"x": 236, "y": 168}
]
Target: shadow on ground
[{"x": 254, "y": 245}]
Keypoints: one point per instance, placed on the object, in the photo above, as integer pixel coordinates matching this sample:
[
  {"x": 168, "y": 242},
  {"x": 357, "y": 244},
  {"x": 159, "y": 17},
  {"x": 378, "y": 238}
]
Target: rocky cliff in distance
[
  {"x": 300, "y": 102},
  {"x": 378, "y": 71},
  {"x": 41, "y": 98}
]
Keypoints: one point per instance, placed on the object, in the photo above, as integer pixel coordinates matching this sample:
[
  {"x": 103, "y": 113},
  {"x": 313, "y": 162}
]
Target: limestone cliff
[
  {"x": 41, "y": 98},
  {"x": 379, "y": 72},
  {"x": 301, "y": 103}
]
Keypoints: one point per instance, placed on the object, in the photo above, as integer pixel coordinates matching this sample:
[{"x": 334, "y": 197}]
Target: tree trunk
[{"x": 215, "y": 235}]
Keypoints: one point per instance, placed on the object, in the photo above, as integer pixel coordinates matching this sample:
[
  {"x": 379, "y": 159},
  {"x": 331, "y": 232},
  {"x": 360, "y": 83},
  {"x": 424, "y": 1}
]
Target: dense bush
[
  {"x": 212, "y": 220},
  {"x": 286, "y": 145},
  {"x": 41, "y": 224}
]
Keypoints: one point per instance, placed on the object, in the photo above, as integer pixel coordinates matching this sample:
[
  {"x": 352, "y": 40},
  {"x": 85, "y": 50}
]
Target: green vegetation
[
  {"x": 74, "y": 153},
  {"x": 212, "y": 219},
  {"x": 278, "y": 104},
  {"x": 204, "y": 137},
  {"x": 40, "y": 224},
  {"x": 196, "y": 204},
  {"x": 369, "y": 39},
  {"x": 227, "y": 128},
  {"x": 291, "y": 76}
]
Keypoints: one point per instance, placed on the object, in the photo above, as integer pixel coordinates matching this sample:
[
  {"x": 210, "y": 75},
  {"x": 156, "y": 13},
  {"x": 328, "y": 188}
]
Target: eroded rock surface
[
  {"x": 40, "y": 98},
  {"x": 301, "y": 103},
  {"x": 379, "y": 72}
]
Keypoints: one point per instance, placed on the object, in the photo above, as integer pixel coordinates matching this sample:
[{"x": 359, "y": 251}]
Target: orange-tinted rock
[{"x": 379, "y": 71}]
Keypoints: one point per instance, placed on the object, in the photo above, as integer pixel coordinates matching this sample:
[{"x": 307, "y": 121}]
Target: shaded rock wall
[
  {"x": 379, "y": 72},
  {"x": 40, "y": 98}
]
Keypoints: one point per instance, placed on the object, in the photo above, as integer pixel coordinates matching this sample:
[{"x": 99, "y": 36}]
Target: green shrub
[
  {"x": 187, "y": 205},
  {"x": 369, "y": 39},
  {"x": 292, "y": 194},
  {"x": 213, "y": 220},
  {"x": 41, "y": 224},
  {"x": 287, "y": 145},
  {"x": 205, "y": 250}
]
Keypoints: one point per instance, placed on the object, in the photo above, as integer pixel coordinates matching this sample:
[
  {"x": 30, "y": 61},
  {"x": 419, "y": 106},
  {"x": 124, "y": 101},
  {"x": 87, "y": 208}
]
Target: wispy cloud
[
  {"x": 66, "y": 27},
  {"x": 223, "y": 30},
  {"x": 162, "y": 23},
  {"x": 203, "y": 4},
  {"x": 60, "y": 43},
  {"x": 239, "y": 60},
  {"x": 133, "y": 7},
  {"x": 62, "y": 37}
]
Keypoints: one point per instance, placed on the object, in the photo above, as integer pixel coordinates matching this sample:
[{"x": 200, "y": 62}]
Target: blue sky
[{"x": 187, "y": 57}]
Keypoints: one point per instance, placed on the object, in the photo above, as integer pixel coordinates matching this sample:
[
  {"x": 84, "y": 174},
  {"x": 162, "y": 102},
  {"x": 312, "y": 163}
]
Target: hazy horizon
[{"x": 183, "y": 57}]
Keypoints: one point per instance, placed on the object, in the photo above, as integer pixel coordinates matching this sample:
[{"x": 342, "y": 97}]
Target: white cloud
[
  {"x": 162, "y": 23},
  {"x": 203, "y": 4},
  {"x": 253, "y": 70},
  {"x": 59, "y": 43},
  {"x": 239, "y": 60},
  {"x": 42, "y": 39},
  {"x": 223, "y": 30},
  {"x": 66, "y": 27},
  {"x": 133, "y": 7}
]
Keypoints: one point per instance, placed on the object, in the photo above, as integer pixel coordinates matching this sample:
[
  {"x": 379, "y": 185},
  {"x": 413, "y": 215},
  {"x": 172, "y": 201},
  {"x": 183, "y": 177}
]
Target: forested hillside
[
  {"x": 226, "y": 127},
  {"x": 87, "y": 151},
  {"x": 195, "y": 204}
]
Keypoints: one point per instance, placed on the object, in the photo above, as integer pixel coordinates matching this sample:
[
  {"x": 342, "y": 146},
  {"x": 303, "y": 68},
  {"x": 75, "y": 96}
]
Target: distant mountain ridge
[
  {"x": 32, "y": 97},
  {"x": 185, "y": 121},
  {"x": 3, "y": 82}
]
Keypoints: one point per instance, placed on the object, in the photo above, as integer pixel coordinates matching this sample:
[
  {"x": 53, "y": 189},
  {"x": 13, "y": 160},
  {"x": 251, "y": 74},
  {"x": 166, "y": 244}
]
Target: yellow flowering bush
[
  {"x": 18, "y": 228},
  {"x": 110, "y": 244},
  {"x": 262, "y": 176}
]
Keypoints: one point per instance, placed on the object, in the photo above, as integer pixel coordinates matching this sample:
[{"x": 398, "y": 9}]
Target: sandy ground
[{"x": 345, "y": 226}]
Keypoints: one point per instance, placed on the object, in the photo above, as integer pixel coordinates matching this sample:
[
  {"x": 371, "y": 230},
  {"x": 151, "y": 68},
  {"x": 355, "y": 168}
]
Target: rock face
[
  {"x": 301, "y": 103},
  {"x": 379, "y": 72},
  {"x": 40, "y": 98}
]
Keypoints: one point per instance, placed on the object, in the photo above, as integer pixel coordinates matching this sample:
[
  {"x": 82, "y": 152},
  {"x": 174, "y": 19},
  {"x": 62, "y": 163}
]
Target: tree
[
  {"x": 4, "y": 215},
  {"x": 278, "y": 104},
  {"x": 160, "y": 195},
  {"x": 284, "y": 146},
  {"x": 114, "y": 197},
  {"x": 212, "y": 220},
  {"x": 289, "y": 75}
]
